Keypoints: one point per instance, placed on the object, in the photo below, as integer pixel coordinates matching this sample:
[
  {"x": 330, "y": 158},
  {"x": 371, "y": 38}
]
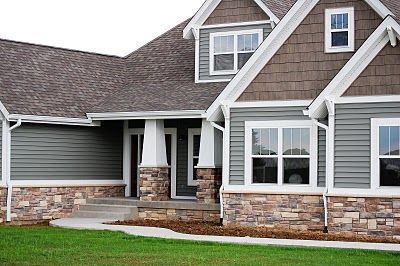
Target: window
[
  {"x": 339, "y": 30},
  {"x": 280, "y": 153},
  {"x": 229, "y": 51},
  {"x": 193, "y": 154},
  {"x": 385, "y": 152}
]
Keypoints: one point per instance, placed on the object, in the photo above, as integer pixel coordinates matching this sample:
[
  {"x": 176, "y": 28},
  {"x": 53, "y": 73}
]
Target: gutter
[
  {"x": 8, "y": 169},
  {"x": 325, "y": 194},
  {"x": 221, "y": 189}
]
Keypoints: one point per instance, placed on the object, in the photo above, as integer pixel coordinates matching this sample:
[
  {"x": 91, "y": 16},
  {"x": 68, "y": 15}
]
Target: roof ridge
[
  {"x": 59, "y": 48},
  {"x": 157, "y": 38}
]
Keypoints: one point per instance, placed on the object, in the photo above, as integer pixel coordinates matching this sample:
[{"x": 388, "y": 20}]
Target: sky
[{"x": 114, "y": 27}]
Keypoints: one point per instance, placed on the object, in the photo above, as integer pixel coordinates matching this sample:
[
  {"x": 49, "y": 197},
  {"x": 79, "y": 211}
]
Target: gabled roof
[
  {"x": 275, "y": 9},
  {"x": 269, "y": 48}
]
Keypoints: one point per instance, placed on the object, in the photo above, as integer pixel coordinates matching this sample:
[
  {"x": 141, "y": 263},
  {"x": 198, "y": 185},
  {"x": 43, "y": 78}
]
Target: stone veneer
[
  {"x": 38, "y": 204},
  {"x": 296, "y": 212},
  {"x": 154, "y": 184},
  {"x": 177, "y": 214},
  {"x": 365, "y": 216},
  {"x": 209, "y": 182},
  {"x": 3, "y": 202}
]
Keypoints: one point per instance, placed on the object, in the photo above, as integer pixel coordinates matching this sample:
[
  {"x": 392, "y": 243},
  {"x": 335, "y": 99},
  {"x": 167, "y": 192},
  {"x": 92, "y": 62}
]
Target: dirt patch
[{"x": 208, "y": 228}]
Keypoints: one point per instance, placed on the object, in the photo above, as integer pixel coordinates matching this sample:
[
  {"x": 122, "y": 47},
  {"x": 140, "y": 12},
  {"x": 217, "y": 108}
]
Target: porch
[{"x": 172, "y": 159}]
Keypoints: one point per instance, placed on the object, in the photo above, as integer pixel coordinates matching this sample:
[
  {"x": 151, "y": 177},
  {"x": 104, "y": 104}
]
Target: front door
[{"x": 136, "y": 159}]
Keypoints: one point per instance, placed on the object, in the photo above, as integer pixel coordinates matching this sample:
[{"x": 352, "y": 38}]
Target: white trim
[
  {"x": 376, "y": 123},
  {"x": 235, "y": 50},
  {"x": 350, "y": 30},
  {"x": 3, "y": 110},
  {"x": 66, "y": 183},
  {"x": 147, "y": 115},
  {"x": 280, "y": 125},
  {"x": 53, "y": 120},
  {"x": 379, "y": 8},
  {"x": 277, "y": 190},
  {"x": 126, "y": 160},
  {"x": 226, "y": 144},
  {"x": 213, "y": 80},
  {"x": 4, "y": 153},
  {"x": 270, "y": 104},
  {"x": 191, "y": 133},
  {"x": 197, "y": 57},
  {"x": 262, "y": 55},
  {"x": 354, "y": 67},
  {"x": 236, "y": 24},
  {"x": 368, "y": 99},
  {"x": 206, "y": 10}
]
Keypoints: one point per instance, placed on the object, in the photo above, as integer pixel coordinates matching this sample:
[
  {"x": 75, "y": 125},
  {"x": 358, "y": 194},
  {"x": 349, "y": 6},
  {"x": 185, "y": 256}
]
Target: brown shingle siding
[
  {"x": 381, "y": 77},
  {"x": 301, "y": 69},
  {"x": 231, "y": 11}
]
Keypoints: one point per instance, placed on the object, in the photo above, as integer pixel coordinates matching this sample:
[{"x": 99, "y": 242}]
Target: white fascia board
[
  {"x": 368, "y": 99},
  {"x": 236, "y": 24},
  {"x": 263, "y": 54},
  {"x": 379, "y": 8},
  {"x": 298, "y": 103},
  {"x": 3, "y": 110},
  {"x": 147, "y": 115},
  {"x": 208, "y": 7},
  {"x": 53, "y": 120},
  {"x": 354, "y": 67},
  {"x": 200, "y": 17}
]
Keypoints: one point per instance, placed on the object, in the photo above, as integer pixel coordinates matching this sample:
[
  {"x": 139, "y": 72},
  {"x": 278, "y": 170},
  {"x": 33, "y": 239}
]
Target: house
[{"x": 262, "y": 112}]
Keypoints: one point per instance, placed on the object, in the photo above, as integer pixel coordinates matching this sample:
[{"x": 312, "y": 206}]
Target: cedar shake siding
[
  {"x": 231, "y": 11},
  {"x": 381, "y": 77},
  {"x": 301, "y": 69}
]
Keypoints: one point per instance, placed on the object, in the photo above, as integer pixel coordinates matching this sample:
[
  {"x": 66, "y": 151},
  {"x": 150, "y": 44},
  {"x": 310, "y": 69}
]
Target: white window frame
[
  {"x": 376, "y": 123},
  {"x": 191, "y": 133},
  {"x": 328, "y": 31},
  {"x": 235, "y": 52},
  {"x": 280, "y": 125}
]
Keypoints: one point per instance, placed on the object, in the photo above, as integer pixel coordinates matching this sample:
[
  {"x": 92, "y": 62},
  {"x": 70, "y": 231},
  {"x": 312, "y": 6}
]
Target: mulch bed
[{"x": 209, "y": 228}]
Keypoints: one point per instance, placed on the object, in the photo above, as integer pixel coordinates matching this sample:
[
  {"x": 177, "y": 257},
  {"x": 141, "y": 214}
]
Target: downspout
[
  {"x": 221, "y": 189},
  {"x": 8, "y": 167},
  {"x": 325, "y": 194}
]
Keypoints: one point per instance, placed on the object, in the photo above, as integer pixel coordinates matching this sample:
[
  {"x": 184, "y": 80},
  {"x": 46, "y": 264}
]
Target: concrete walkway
[{"x": 98, "y": 224}]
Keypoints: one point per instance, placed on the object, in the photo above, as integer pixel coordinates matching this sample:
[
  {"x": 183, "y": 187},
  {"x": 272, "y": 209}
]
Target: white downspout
[
  {"x": 325, "y": 197},
  {"x": 8, "y": 169},
  {"x": 221, "y": 189}
]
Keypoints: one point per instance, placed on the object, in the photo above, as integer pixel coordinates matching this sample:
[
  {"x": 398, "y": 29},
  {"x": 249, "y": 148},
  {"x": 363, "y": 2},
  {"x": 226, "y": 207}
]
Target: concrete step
[
  {"x": 109, "y": 208},
  {"x": 102, "y": 215},
  {"x": 114, "y": 201}
]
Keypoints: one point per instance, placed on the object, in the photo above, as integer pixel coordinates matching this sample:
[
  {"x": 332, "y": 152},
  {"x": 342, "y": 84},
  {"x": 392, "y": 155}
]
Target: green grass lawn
[{"x": 56, "y": 246}]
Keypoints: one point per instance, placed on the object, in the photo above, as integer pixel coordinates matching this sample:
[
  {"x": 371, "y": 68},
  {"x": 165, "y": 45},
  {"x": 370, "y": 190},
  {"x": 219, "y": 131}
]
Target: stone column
[
  {"x": 154, "y": 184},
  {"x": 209, "y": 181},
  {"x": 154, "y": 169}
]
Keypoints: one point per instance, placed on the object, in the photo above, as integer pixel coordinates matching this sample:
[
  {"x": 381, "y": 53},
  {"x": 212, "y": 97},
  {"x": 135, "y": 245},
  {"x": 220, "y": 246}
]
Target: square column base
[
  {"x": 209, "y": 181},
  {"x": 154, "y": 184}
]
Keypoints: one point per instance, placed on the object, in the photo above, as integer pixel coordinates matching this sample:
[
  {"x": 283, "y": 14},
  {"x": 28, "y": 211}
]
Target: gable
[
  {"x": 381, "y": 77},
  {"x": 233, "y": 11},
  {"x": 301, "y": 69}
]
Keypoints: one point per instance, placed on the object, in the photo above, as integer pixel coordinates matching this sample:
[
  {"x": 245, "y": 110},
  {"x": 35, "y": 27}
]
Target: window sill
[
  {"x": 337, "y": 50},
  {"x": 274, "y": 189},
  {"x": 221, "y": 73}
]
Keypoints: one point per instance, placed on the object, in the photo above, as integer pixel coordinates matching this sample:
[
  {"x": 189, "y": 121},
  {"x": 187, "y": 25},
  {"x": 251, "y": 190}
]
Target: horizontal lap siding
[
  {"x": 321, "y": 156},
  {"x": 55, "y": 152},
  {"x": 204, "y": 62},
  {"x": 237, "y": 138},
  {"x": 353, "y": 141}
]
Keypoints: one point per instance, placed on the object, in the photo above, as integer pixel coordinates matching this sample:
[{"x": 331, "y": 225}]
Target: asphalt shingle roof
[{"x": 279, "y": 7}]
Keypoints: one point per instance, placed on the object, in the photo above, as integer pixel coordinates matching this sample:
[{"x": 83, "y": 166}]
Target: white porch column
[
  {"x": 210, "y": 155},
  {"x": 154, "y": 149}
]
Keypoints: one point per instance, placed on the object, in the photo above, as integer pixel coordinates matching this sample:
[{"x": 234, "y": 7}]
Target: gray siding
[
  {"x": 353, "y": 138},
  {"x": 237, "y": 141},
  {"x": 204, "y": 62},
  {"x": 55, "y": 152},
  {"x": 182, "y": 188},
  {"x": 321, "y": 155}
]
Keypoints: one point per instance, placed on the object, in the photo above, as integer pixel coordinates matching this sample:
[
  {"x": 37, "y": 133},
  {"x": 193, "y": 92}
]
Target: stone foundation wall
[
  {"x": 154, "y": 184},
  {"x": 279, "y": 211},
  {"x": 209, "y": 182},
  {"x": 38, "y": 204},
  {"x": 181, "y": 215},
  {"x": 365, "y": 216}
]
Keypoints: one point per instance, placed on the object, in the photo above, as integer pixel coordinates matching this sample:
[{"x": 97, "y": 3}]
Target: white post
[
  {"x": 210, "y": 146},
  {"x": 154, "y": 149},
  {"x": 127, "y": 159}
]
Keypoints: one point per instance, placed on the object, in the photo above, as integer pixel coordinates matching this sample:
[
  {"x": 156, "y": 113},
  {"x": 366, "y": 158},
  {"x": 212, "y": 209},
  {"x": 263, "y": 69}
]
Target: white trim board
[
  {"x": 147, "y": 115},
  {"x": 236, "y": 24},
  {"x": 268, "y": 49},
  {"x": 53, "y": 120},
  {"x": 206, "y": 10},
  {"x": 191, "y": 133},
  {"x": 368, "y": 99},
  {"x": 299, "y": 103},
  {"x": 354, "y": 67}
]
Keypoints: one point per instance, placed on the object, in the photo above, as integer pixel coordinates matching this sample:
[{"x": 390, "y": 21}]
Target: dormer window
[
  {"x": 339, "y": 30},
  {"x": 229, "y": 51}
]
